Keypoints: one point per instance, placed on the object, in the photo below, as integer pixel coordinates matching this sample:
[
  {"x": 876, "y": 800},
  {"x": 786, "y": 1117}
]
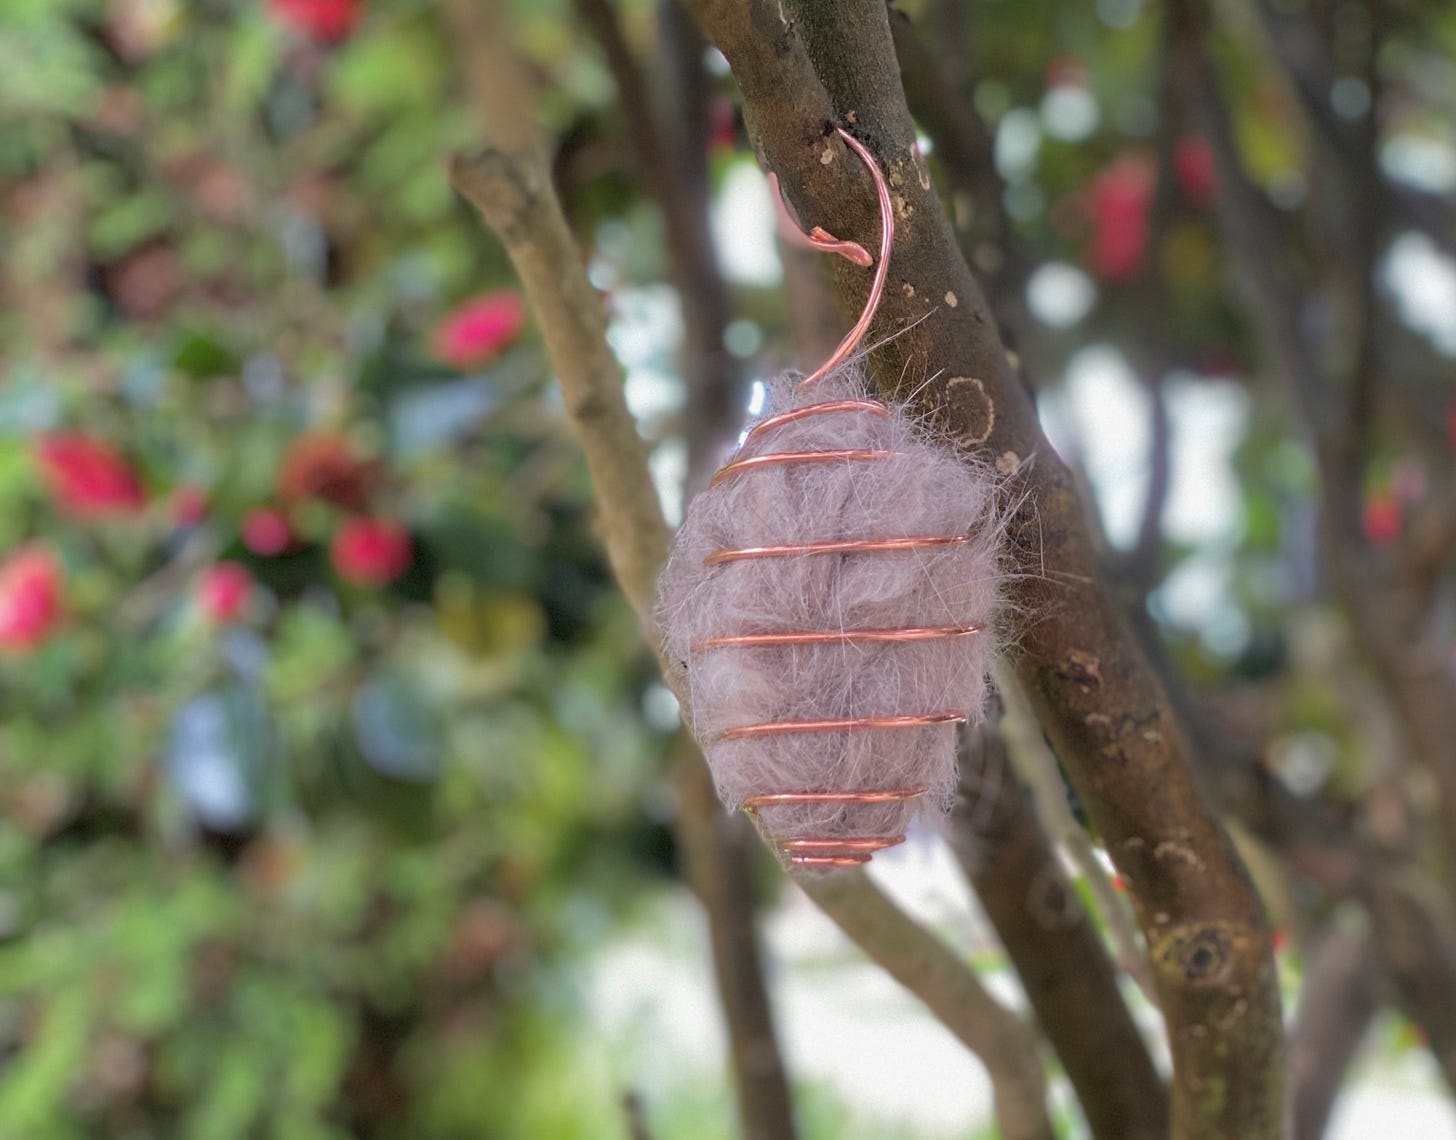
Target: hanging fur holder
[{"x": 828, "y": 602}]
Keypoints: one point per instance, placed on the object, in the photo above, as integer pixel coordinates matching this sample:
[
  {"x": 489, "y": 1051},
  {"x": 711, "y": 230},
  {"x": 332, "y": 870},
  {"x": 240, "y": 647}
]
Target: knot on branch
[
  {"x": 1203, "y": 955},
  {"x": 1081, "y": 668},
  {"x": 1052, "y": 903},
  {"x": 501, "y": 185},
  {"x": 970, "y": 409}
]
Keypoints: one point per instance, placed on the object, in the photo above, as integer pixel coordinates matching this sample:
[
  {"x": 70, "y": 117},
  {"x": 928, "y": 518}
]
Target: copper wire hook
[{"x": 819, "y": 239}]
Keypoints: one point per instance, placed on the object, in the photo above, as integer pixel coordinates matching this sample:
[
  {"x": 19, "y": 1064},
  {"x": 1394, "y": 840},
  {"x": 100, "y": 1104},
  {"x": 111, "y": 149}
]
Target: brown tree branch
[
  {"x": 1208, "y": 941},
  {"x": 1301, "y": 55},
  {"x": 1411, "y": 674},
  {"x": 1142, "y": 567},
  {"x": 1417, "y": 947},
  {"x": 719, "y": 850},
  {"x": 636, "y": 1116},
  {"x": 1054, "y": 946},
  {"x": 508, "y": 181},
  {"x": 925, "y": 966},
  {"x": 1339, "y": 999},
  {"x": 670, "y": 151},
  {"x": 1036, "y": 764}
]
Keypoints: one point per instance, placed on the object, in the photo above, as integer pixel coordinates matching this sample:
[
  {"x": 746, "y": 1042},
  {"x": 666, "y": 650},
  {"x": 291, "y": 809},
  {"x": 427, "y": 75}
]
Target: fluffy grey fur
[{"x": 926, "y": 491}]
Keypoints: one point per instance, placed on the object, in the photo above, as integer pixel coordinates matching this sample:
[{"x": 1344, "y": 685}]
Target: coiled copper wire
[
  {"x": 813, "y": 851},
  {"x": 836, "y": 546}
]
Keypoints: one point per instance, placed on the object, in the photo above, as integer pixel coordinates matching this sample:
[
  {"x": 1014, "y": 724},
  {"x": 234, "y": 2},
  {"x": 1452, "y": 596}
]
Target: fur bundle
[{"x": 920, "y": 491}]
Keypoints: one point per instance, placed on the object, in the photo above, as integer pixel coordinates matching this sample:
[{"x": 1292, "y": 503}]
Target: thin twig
[
  {"x": 1154, "y": 358},
  {"x": 1413, "y": 676},
  {"x": 508, "y": 181},
  {"x": 636, "y": 1116},
  {"x": 1338, "y": 1001},
  {"x": 1054, "y": 945},
  {"x": 670, "y": 151},
  {"x": 1038, "y": 767},
  {"x": 925, "y": 966}
]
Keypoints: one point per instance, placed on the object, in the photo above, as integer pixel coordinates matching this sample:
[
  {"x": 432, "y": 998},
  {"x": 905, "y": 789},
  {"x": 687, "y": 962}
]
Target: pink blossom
[
  {"x": 30, "y": 598},
  {"x": 266, "y": 532},
  {"x": 189, "y": 505},
  {"x": 223, "y": 591},
  {"x": 478, "y": 330},
  {"x": 371, "y": 552},
  {"x": 1119, "y": 202},
  {"x": 86, "y": 477},
  {"x": 1193, "y": 167},
  {"x": 1382, "y": 519},
  {"x": 327, "y": 20}
]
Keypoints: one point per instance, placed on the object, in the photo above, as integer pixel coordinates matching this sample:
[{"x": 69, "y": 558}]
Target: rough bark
[
  {"x": 1037, "y": 766},
  {"x": 1208, "y": 941}
]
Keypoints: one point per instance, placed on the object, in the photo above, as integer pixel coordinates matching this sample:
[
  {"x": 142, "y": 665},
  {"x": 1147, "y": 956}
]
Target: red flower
[
  {"x": 223, "y": 591},
  {"x": 1193, "y": 168},
  {"x": 327, "y": 20},
  {"x": 86, "y": 477},
  {"x": 371, "y": 552},
  {"x": 478, "y": 330},
  {"x": 266, "y": 532},
  {"x": 1066, "y": 71},
  {"x": 1381, "y": 519},
  {"x": 1119, "y": 202},
  {"x": 322, "y": 465},
  {"x": 30, "y": 598},
  {"x": 189, "y": 505},
  {"x": 722, "y": 125}
]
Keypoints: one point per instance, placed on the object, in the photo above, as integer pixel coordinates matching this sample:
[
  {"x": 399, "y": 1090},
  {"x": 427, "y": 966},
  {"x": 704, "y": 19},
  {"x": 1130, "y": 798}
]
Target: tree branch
[
  {"x": 1056, "y": 950},
  {"x": 1037, "y": 765},
  {"x": 1412, "y": 675},
  {"x": 1339, "y": 999},
  {"x": 671, "y": 158},
  {"x": 636, "y": 1116},
  {"x": 1208, "y": 941},
  {"x": 1299, "y": 52},
  {"x": 719, "y": 850},
  {"x": 925, "y": 966},
  {"x": 1418, "y": 950},
  {"x": 1142, "y": 566},
  {"x": 509, "y": 183}
]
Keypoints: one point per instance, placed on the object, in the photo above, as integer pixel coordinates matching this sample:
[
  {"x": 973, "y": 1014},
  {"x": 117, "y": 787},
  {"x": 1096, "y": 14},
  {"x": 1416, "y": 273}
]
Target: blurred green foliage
[{"x": 324, "y": 869}]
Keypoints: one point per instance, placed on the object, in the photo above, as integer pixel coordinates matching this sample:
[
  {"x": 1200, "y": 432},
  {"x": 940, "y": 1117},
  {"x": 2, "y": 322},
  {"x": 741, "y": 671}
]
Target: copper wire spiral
[{"x": 812, "y": 851}]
